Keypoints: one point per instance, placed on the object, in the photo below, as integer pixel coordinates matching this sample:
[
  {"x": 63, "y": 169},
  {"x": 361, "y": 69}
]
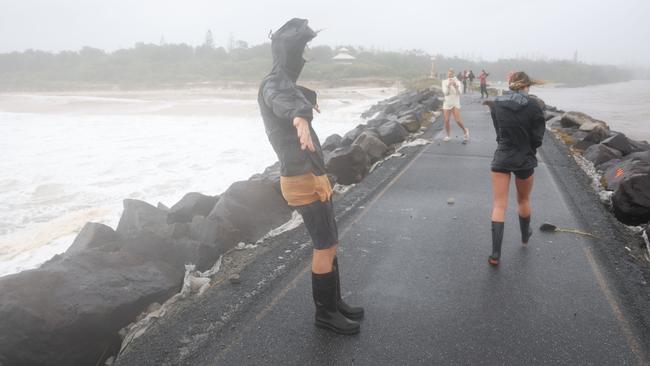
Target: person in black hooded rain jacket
[
  {"x": 520, "y": 125},
  {"x": 287, "y": 111}
]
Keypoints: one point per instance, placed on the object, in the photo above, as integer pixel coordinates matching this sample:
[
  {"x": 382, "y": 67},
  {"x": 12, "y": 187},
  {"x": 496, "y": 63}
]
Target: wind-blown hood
[
  {"x": 513, "y": 101},
  {"x": 288, "y": 44}
]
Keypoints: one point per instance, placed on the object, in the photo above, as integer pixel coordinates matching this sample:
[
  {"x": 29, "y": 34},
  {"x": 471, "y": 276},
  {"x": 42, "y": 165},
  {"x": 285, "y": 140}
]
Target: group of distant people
[
  {"x": 466, "y": 79},
  {"x": 288, "y": 111}
]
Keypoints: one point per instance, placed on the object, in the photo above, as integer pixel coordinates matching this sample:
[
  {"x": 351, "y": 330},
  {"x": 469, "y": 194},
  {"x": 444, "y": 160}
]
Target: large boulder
[
  {"x": 578, "y": 119},
  {"x": 69, "y": 311},
  {"x": 392, "y": 133},
  {"x": 192, "y": 204},
  {"x": 631, "y": 201},
  {"x": 139, "y": 216},
  {"x": 332, "y": 142},
  {"x": 621, "y": 170},
  {"x": 411, "y": 121},
  {"x": 597, "y": 135},
  {"x": 352, "y": 135},
  {"x": 94, "y": 235},
  {"x": 638, "y": 146},
  {"x": 618, "y": 142},
  {"x": 349, "y": 164},
  {"x": 598, "y": 154},
  {"x": 247, "y": 211},
  {"x": 371, "y": 145}
]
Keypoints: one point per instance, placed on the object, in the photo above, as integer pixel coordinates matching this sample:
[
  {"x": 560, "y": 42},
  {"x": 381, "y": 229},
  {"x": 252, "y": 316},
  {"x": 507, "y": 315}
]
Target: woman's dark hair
[{"x": 520, "y": 80}]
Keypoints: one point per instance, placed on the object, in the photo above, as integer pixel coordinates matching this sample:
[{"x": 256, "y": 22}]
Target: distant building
[{"x": 343, "y": 56}]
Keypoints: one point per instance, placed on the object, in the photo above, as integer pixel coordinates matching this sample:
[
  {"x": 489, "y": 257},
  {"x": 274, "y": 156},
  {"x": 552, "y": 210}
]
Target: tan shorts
[{"x": 304, "y": 189}]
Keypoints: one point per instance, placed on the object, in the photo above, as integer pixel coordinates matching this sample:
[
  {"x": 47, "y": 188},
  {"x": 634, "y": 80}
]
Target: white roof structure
[{"x": 343, "y": 56}]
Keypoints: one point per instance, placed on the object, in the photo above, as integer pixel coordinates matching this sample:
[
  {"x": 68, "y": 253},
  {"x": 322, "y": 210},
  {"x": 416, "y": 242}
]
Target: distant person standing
[
  {"x": 483, "y": 81},
  {"x": 464, "y": 80},
  {"x": 460, "y": 76},
  {"x": 519, "y": 124},
  {"x": 471, "y": 78},
  {"x": 451, "y": 88}
]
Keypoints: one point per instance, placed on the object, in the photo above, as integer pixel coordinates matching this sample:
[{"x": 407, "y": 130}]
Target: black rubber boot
[
  {"x": 526, "y": 231},
  {"x": 327, "y": 315},
  {"x": 497, "y": 239},
  {"x": 350, "y": 312}
]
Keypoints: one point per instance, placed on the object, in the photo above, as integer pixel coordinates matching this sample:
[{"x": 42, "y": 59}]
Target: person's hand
[{"x": 302, "y": 127}]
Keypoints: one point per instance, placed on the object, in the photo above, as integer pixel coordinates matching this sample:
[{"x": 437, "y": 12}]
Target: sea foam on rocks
[{"x": 70, "y": 310}]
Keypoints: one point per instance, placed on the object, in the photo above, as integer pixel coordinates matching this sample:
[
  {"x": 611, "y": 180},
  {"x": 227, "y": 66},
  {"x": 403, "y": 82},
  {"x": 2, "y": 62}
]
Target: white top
[{"x": 452, "y": 94}]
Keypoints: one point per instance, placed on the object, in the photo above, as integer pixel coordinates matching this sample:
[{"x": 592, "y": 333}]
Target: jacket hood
[
  {"x": 513, "y": 101},
  {"x": 288, "y": 44}
]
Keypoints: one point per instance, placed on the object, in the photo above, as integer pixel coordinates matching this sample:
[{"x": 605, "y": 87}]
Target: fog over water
[{"x": 600, "y": 31}]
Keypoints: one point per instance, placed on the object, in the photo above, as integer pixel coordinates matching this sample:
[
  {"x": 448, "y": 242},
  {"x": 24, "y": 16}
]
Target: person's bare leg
[
  {"x": 524, "y": 188},
  {"x": 322, "y": 260},
  {"x": 447, "y": 127},
  {"x": 459, "y": 120},
  {"x": 500, "y": 186}
]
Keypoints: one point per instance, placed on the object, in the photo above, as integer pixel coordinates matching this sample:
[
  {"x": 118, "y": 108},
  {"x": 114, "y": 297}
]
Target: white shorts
[{"x": 452, "y": 101}]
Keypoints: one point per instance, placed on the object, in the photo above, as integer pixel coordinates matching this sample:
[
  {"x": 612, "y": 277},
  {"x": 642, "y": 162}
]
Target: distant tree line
[{"x": 177, "y": 65}]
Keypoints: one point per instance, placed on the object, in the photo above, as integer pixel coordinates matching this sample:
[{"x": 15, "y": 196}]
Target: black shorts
[
  {"x": 520, "y": 174},
  {"x": 320, "y": 222}
]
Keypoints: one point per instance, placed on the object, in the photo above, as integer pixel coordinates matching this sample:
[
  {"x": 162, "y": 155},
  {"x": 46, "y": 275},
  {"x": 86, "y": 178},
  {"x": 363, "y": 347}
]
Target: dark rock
[
  {"x": 247, "y": 211},
  {"x": 581, "y": 120},
  {"x": 392, "y": 133},
  {"x": 352, "y": 135},
  {"x": 639, "y": 146},
  {"x": 583, "y": 145},
  {"x": 332, "y": 142},
  {"x": 622, "y": 170},
  {"x": 139, "y": 216},
  {"x": 631, "y": 201},
  {"x": 618, "y": 142},
  {"x": 371, "y": 145},
  {"x": 162, "y": 206},
  {"x": 597, "y": 135},
  {"x": 608, "y": 164},
  {"x": 192, "y": 204},
  {"x": 641, "y": 156},
  {"x": 349, "y": 164},
  {"x": 69, "y": 311},
  {"x": 411, "y": 122},
  {"x": 378, "y": 122},
  {"x": 271, "y": 175},
  {"x": 94, "y": 235},
  {"x": 600, "y": 153}
]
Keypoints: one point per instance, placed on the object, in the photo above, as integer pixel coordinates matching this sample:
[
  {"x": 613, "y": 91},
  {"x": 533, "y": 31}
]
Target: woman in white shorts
[{"x": 451, "y": 88}]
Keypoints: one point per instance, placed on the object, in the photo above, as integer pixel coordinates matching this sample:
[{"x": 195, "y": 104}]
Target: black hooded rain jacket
[
  {"x": 520, "y": 125},
  {"x": 281, "y": 100}
]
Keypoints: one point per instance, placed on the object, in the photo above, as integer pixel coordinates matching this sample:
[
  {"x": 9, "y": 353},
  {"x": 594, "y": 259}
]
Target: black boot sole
[
  {"x": 353, "y": 316},
  {"x": 330, "y": 327}
]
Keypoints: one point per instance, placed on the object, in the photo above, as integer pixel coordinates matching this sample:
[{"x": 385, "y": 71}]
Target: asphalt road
[{"x": 419, "y": 266}]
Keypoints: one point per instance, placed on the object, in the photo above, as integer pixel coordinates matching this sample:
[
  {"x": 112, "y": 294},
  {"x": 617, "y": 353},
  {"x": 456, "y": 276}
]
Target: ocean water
[
  {"x": 69, "y": 159},
  {"x": 624, "y": 106}
]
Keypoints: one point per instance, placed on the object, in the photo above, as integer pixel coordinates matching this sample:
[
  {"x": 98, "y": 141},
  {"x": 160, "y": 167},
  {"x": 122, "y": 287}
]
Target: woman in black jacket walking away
[{"x": 519, "y": 123}]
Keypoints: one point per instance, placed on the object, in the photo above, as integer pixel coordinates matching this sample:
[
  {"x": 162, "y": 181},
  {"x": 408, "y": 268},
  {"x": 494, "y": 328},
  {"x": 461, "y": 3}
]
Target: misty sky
[{"x": 601, "y": 31}]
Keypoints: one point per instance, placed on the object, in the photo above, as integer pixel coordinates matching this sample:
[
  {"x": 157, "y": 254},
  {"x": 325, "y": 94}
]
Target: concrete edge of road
[{"x": 616, "y": 269}]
